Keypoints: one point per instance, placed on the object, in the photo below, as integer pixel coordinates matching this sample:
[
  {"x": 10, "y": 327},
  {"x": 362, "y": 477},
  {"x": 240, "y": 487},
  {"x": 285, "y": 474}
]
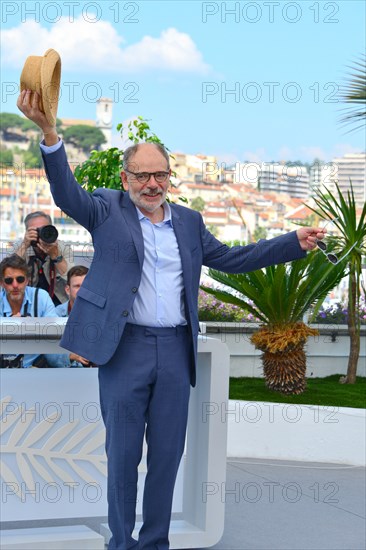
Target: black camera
[{"x": 48, "y": 234}]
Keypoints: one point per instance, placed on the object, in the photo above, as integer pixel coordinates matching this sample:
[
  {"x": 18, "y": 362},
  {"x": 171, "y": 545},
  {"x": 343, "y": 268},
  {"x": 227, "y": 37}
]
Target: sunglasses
[
  {"x": 333, "y": 258},
  {"x": 9, "y": 280}
]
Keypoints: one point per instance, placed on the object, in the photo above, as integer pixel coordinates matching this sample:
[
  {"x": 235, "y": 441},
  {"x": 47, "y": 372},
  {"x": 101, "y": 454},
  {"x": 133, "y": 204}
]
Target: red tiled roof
[{"x": 300, "y": 213}]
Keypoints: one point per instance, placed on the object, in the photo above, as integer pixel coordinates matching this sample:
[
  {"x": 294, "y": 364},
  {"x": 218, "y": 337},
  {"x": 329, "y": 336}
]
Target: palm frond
[{"x": 353, "y": 92}]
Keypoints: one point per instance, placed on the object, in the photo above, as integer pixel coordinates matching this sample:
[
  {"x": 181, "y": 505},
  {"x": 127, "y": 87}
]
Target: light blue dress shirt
[
  {"x": 160, "y": 300},
  {"x": 46, "y": 308},
  {"x": 62, "y": 310}
]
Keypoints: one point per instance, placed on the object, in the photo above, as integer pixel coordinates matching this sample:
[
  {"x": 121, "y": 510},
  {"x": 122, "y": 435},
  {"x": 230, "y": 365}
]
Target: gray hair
[
  {"x": 130, "y": 152},
  {"x": 37, "y": 214}
]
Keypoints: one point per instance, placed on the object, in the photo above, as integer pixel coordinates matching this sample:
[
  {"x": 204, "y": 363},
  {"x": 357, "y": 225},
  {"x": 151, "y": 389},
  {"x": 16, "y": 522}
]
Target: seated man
[
  {"x": 75, "y": 278},
  {"x": 19, "y": 300},
  {"x": 48, "y": 259}
]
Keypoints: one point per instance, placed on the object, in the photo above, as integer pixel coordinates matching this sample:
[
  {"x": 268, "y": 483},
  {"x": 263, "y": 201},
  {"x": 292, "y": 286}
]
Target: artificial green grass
[{"x": 320, "y": 391}]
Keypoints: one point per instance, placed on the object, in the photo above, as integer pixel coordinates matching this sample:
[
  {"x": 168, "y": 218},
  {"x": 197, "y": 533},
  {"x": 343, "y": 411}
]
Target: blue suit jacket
[{"x": 104, "y": 301}]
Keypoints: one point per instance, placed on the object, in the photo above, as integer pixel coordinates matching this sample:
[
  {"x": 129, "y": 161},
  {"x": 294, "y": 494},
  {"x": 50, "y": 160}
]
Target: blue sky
[{"x": 175, "y": 64}]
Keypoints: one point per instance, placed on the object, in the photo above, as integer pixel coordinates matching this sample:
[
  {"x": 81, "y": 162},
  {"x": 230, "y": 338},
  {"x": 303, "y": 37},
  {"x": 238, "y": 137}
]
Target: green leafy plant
[
  {"x": 103, "y": 168},
  {"x": 279, "y": 297},
  {"x": 84, "y": 137},
  {"x": 352, "y": 229}
]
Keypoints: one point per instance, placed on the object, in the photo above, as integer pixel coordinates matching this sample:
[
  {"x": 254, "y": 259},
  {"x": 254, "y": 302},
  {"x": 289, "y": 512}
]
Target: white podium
[{"x": 53, "y": 463}]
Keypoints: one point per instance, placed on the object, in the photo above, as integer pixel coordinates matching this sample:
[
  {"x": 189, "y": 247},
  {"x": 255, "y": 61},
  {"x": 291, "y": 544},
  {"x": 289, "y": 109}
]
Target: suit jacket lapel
[
  {"x": 133, "y": 224},
  {"x": 183, "y": 240}
]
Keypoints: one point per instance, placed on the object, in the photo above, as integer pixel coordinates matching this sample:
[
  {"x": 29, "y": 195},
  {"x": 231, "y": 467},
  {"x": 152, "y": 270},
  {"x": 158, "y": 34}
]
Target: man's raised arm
[{"x": 28, "y": 104}]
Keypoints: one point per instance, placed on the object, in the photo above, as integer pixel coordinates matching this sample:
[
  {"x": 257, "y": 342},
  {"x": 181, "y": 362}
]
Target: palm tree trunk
[
  {"x": 353, "y": 331},
  {"x": 285, "y": 372}
]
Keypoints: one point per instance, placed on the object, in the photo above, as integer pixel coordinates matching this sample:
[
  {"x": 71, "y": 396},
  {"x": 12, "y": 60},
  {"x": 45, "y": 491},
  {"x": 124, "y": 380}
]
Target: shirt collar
[{"x": 167, "y": 214}]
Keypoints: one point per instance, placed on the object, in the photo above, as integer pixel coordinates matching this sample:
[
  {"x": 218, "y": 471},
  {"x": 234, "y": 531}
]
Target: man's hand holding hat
[
  {"x": 40, "y": 90},
  {"x": 29, "y": 104}
]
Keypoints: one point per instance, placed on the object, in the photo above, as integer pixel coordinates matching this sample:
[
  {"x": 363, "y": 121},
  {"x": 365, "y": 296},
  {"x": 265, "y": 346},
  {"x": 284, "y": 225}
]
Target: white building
[
  {"x": 276, "y": 177},
  {"x": 351, "y": 167},
  {"x": 104, "y": 120}
]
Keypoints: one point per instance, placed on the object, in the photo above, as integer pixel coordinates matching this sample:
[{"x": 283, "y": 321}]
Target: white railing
[{"x": 52, "y": 443}]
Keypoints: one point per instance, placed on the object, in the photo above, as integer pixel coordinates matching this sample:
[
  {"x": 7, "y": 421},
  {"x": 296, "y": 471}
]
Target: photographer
[{"x": 46, "y": 257}]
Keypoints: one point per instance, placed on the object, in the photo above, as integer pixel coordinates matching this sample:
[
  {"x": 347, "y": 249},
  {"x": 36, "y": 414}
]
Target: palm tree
[
  {"x": 280, "y": 296},
  {"x": 352, "y": 229},
  {"x": 354, "y": 93}
]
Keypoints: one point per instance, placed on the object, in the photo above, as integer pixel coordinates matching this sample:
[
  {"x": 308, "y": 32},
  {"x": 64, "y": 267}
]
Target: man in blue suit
[{"x": 135, "y": 316}]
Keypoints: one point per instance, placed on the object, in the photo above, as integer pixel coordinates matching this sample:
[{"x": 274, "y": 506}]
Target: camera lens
[{"x": 48, "y": 234}]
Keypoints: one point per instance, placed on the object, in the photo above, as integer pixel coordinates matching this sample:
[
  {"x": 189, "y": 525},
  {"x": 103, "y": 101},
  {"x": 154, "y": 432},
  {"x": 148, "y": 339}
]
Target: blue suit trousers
[{"x": 145, "y": 386}]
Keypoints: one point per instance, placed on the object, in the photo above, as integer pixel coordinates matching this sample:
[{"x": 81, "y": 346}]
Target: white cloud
[
  {"x": 284, "y": 153},
  {"x": 312, "y": 152},
  {"x": 340, "y": 149},
  {"x": 173, "y": 50},
  {"x": 259, "y": 155},
  {"x": 85, "y": 46},
  {"x": 228, "y": 158}
]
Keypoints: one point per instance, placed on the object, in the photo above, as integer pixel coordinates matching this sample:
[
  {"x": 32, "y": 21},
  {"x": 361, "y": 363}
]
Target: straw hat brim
[{"x": 42, "y": 74}]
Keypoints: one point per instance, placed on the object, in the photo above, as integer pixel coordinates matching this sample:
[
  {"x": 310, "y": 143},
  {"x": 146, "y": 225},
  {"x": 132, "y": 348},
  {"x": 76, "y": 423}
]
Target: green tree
[
  {"x": 198, "y": 204},
  {"x": 84, "y": 137},
  {"x": 260, "y": 233},
  {"x": 103, "y": 168},
  {"x": 9, "y": 120},
  {"x": 352, "y": 229},
  {"x": 32, "y": 158},
  {"x": 12, "y": 120},
  {"x": 6, "y": 157},
  {"x": 279, "y": 296}
]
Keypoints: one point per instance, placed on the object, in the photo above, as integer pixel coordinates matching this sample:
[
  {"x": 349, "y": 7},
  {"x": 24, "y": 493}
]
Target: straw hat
[{"x": 42, "y": 74}]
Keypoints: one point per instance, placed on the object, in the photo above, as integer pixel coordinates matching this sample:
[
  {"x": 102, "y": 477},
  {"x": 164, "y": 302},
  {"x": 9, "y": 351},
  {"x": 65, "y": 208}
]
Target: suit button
[
  {"x": 134, "y": 289},
  {"x": 125, "y": 313}
]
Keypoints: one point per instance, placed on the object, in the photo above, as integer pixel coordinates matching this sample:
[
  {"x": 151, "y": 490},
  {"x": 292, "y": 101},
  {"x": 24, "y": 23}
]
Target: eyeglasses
[
  {"x": 323, "y": 247},
  {"x": 9, "y": 280},
  {"x": 144, "y": 177},
  {"x": 333, "y": 258}
]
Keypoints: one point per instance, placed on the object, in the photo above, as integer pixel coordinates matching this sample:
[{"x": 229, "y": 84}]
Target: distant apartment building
[
  {"x": 321, "y": 176},
  {"x": 351, "y": 167},
  {"x": 283, "y": 178},
  {"x": 274, "y": 176},
  {"x": 27, "y": 190}
]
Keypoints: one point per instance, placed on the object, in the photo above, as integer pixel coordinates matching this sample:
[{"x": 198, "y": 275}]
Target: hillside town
[{"x": 243, "y": 201}]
